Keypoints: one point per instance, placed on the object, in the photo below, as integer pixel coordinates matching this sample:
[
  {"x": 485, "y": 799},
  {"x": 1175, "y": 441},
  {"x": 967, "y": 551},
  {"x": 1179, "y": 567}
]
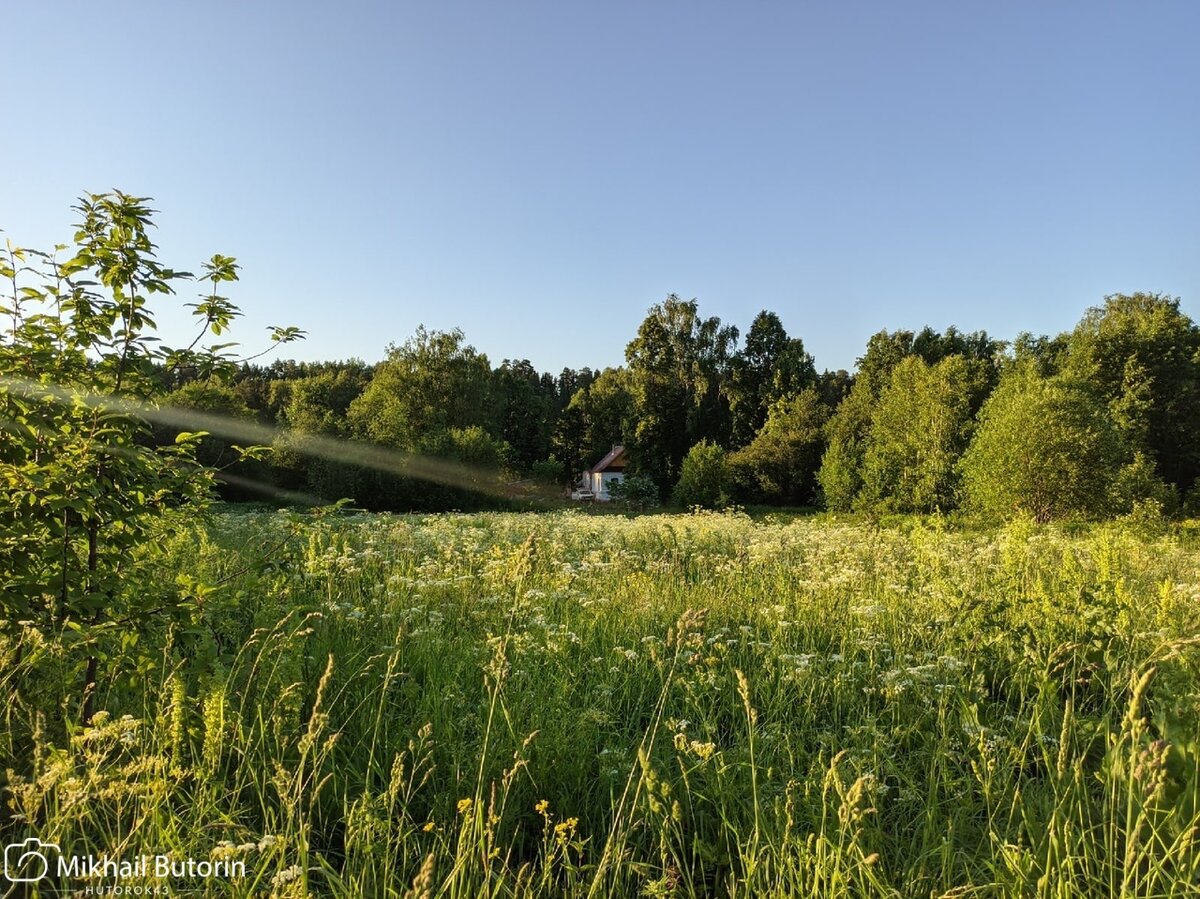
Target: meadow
[{"x": 566, "y": 704}]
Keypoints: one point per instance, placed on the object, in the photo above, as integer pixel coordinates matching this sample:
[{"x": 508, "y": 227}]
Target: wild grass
[{"x": 689, "y": 705}]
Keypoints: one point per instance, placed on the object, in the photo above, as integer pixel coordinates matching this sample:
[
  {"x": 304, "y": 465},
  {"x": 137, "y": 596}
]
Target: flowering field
[{"x": 565, "y": 704}]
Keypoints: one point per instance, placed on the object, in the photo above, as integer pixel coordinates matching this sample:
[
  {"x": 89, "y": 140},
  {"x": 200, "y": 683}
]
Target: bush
[
  {"x": 85, "y": 487},
  {"x": 1138, "y": 486},
  {"x": 779, "y": 465},
  {"x": 1190, "y": 508},
  {"x": 919, "y": 429},
  {"x": 840, "y": 474},
  {"x": 637, "y": 492},
  {"x": 1045, "y": 447},
  {"x": 703, "y": 478},
  {"x": 549, "y": 471}
]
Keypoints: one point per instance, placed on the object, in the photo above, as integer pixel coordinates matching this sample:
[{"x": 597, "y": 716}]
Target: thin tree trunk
[{"x": 89, "y": 678}]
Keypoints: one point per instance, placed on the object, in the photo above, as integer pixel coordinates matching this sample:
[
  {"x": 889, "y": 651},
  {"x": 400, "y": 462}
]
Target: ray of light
[{"x": 447, "y": 472}]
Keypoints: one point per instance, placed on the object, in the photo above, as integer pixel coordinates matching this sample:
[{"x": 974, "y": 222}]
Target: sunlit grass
[{"x": 514, "y": 705}]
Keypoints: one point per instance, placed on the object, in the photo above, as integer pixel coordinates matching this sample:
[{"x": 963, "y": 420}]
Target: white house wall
[
  {"x": 607, "y": 478},
  {"x": 598, "y": 482}
]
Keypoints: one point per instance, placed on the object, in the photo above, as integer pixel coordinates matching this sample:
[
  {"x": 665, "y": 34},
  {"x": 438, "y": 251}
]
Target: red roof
[{"x": 607, "y": 462}]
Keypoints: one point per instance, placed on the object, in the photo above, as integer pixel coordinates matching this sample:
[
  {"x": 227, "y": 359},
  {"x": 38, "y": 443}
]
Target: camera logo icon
[{"x": 29, "y": 860}]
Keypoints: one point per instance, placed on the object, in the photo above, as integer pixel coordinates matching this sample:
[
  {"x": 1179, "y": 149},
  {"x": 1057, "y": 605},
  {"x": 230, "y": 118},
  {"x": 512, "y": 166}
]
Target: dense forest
[{"x": 1099, "y": 421}]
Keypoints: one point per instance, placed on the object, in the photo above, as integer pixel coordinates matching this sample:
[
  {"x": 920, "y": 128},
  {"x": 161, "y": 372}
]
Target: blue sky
[{"x": 539, "y": 174}]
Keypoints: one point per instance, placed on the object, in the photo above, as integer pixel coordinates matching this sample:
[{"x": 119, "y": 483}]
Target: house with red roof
[{"x": 597, "y": 479}]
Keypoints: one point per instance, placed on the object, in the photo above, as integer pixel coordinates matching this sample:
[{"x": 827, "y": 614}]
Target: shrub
[
  {"x": 84, "y": 487},
  {"x": 919, "y": 429},
  {"x": 1045, "y": 447},
  {"x": 840, "y": 474},
  {"x": 779, "y": 465},
  {"x": 637, "y": 492},
  {"x": 703, "y": 478},
  {"x": 549, "y": 471}
]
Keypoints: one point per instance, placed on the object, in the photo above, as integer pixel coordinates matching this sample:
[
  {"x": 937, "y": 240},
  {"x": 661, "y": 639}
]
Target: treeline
[{"x": 1099, "y": 421}]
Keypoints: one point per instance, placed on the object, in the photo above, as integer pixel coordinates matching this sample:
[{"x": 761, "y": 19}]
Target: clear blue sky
[{"x": 539, "y": 174}]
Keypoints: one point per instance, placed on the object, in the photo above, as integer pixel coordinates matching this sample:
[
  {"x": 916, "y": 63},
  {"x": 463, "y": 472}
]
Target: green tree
[
  {"x": 84, "y": 485},
  {"x": 318, "y": 404},
  {"x": 550, "y": 472},
  {"x": 433, "y": 396},
  {"x": 1045, "y": 447},
  {"x": 677, "y": 366},
  {"x": 1142, "y": 354},
  {"x": 919, "y": 429},
  {"x": 597, "y": 417},
  {"x": 846, "y": 433},
  {"x": 834, "y": 386},
  {"x": 853, "y": 430},
  {"x": 703, "y": 478},
  {"x": 569, "y": 382},
  {"x": 433, "y": 382},
  {"x": 885, "y": 350},
  {"x": 780, "y": 464},
  {"x": 525, "y": 407},
  {"x": 1044, "y": 353},
  {"x": 770, "y": 366},
  {"x": 238, "y": 477}
]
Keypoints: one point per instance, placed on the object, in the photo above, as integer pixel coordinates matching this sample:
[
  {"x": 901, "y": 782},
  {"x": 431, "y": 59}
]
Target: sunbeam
[{"x": 446, "y": 472}]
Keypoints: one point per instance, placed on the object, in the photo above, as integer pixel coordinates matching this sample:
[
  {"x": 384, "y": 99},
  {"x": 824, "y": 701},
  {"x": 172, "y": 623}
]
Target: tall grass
[{"x": 507, "y": 705}]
